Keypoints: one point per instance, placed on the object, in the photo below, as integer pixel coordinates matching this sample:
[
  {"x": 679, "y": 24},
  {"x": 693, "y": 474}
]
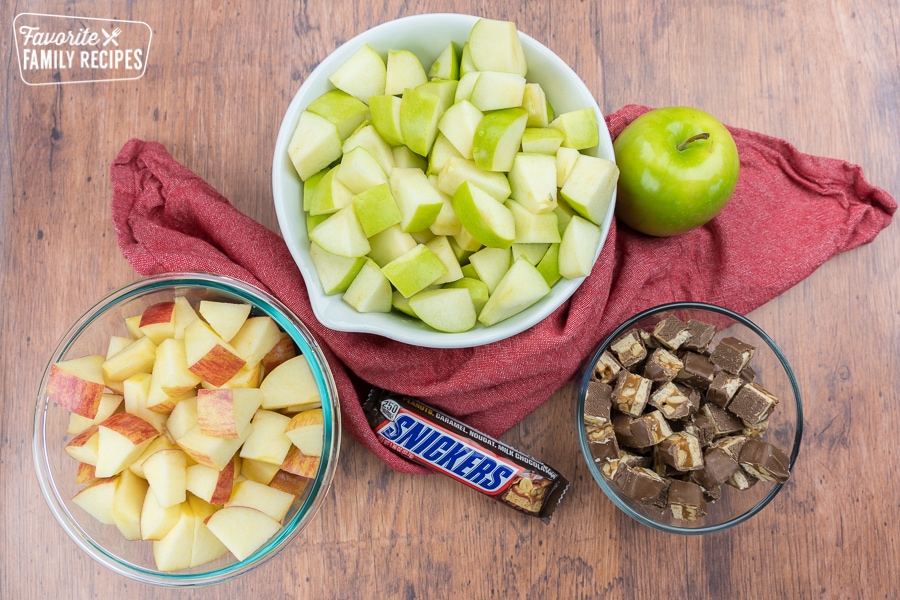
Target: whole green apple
[{"x": 678, "y": 169}]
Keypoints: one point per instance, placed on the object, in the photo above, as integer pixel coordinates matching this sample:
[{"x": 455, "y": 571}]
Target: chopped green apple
[
  {"x": 493, "y": 90},
  {"x": 342, "y": 109},
  {"x": 579, "y": 127},
  {"x": 336, "y": 273},
  {"x": 495, "y": 46},
  {"x": 542, "y": 140},
  {"x": 360, "y": 171},
  {"x": 401, "y": 303},
  {"x": 385, "y": 113},
  {"x": 390, "y": 244},
  {"x": 441, "y": 152},
  {"x": 565, "y": 160},
  {"x": 403, "y": 70},
  {"x": 404, "y": 157},
  {"x": 315, "y": 144},
  {"x": 465, "y": 61},
  {"x": 490, "y": 265},
  {"x": 458, "y": 170},
  {"x": 590, "y": 186},
  {"x": 465, "y": 86},
  {"x": 367, "y": 137},
  {"x": 440, "y": 245},
  {"x": 362, "y": 75},
  {"x": 446, "y": 65},
  {"x": 450, "y": 310},
  {"x": 420, "y": 112},
  {"x": 548, "y": 266},
  {"x": 330, "y": 194},
  {"x": 477, "y": 289},
  {"x": 370, "y": 290},
  {"x": 419, "y": 202},
  {"x": 532, "y": 182},
  {"x": 535, "y": 102},
  {"x": 489, "y": 221},
  {"x": 579, "y": 245},
  {"x": 341, "y": 234},
  {"x": 376, "y": 209},
  {"x": 533, "y": 228},
  {"x": 445, "y": 89},
  {"x": 458, "y": 124},
  {"x": 520, "y": 288},
  {"x": 498, "y": 138},
  {"x": 533, "y": 253},
  {"x": 415, "y": 270}
]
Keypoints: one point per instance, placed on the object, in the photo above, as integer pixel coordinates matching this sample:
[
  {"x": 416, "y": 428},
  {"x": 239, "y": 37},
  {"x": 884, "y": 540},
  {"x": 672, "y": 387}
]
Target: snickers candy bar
[
  {"x": 629, "y": 348},
  {"x": 602, "y": 441},
  {"x": 682, "y": 451},
  {"x": 700, "y": 334},
  {"x": 607, "y": 367},
  {"x": 631, "y": 393},
  {"x": 434, "y": 439},
  {"x": 698, "y": 371},
  {"x": 662, "y": 366},
  {"x": 641, "y": 484},
  {"x": 672, "y": 401},
  {"x": 718, "y": 466},
  {"x": 650, "y": 429},
  {"x": 765, "y": 461},
  {"x": 723, "y": 388},
  {"x": 753, "y": 403},
  {"x": 671, "y": 332},
  {"x": 732, "y": 355},
  {"x": 723, "y": 422},
  {"x": 686, "y": 500},
  {"x": 597, "y": 403}
]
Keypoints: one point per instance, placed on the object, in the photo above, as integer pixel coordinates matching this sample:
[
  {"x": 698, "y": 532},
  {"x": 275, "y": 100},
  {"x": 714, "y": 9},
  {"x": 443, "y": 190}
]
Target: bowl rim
[
  {"x": 582, "y": 436},
  {"x": 320, "y": 485},
  {"x": 396, "y": 326}
]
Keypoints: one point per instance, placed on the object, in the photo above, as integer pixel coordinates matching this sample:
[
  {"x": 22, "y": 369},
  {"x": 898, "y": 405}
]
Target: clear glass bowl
[
  {"x": 785, "y": 424},
  {"x": 56, "y": 469}
]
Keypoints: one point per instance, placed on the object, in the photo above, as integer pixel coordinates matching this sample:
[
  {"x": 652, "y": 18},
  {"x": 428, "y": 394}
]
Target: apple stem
[{"x": 693, "y": 138}]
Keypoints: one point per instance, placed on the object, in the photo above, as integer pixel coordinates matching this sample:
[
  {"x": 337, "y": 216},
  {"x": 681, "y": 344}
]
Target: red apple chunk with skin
[
  {"x": 197, "y": 431},
  {"x": 465, "y": 156}
]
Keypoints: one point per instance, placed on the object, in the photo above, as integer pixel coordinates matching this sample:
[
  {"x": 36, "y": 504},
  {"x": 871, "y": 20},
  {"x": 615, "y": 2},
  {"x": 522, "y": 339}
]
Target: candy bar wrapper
[{"x": 436, "y": 440}]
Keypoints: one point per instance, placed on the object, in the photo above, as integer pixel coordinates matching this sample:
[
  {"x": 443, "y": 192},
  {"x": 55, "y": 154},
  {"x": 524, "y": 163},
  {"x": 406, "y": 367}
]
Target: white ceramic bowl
[{"x": 426, "y": 35}]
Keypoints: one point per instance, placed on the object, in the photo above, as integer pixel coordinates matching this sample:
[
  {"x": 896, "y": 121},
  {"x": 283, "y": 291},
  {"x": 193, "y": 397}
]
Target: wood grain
[{"x": 824, "y": 75}]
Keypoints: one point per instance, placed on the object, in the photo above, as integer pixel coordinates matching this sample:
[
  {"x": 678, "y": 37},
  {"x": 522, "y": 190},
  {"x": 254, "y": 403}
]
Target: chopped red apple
[{"x": 77, "y": 384}]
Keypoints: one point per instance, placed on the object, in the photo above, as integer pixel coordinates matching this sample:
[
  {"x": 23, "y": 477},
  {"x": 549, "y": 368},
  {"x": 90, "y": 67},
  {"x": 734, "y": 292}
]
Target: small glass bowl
[
  {"x": 785, "y": 424},
  {"x": 56, "y": 470}
]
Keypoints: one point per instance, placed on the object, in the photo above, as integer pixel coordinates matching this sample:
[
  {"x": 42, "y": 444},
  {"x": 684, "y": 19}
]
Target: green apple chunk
[
  {"x": 532, "y": 182},
  {"x": 520, "y": 288},
  {"x": 458, "y": 170},
  {"x": 549, "y": 265},
  {"x": 336, "y": 273},
  {"x": 391, "y": 243},
  {"x": 309, "y": 187},
  {"x": 565, "y": 160},
  {"x": 495, "y": 46},
  {"x": 360, "y": 171},
  {"x": 401, "y": 303},
  {"x": 535, "y": 102},
  {"x": 362, "y": 75},
  {"x": 477, "y": 289},
  {"x": 489, "y": 221},
  {"x": 580, "y": 128},
  {"x": 404, "y": 157},
  {"x": 492, "y": 91},
  {"x": 403, "y": 70},
  {"x": 532, "y": 228},
  {"x": 440, "y": 245},
  {"x": 490, "y": 265},
  {"x": 578, "y": 248},
  {"x": 384, "y": 111},
  {"x": 447, "y": 222},
  {"x": 466, "y": 241},
  {"x": 341, "y": 234},
  {"x": 312, "y": 221},
  {"x": 419, "y": 202},
  {"x": 330, "y": 194},
  {"x": 458, "y": 124},
  {"x": 376, "y": 209},
  {"x": 465, "y": 86},
  {"x": 370, "y": 290},
  {"x": 415, "y": 270},
  {"x": 498, "y": 138},
  {"x": 342, "y": 109},
  {"x": 542, "y": 140},
  {"x": 446, "y": 65},
  {"x": 450, "y": 310},
  {"x": 315, "y": 144},
  {"x": 533, "y": 253},
  {"x": 564, "y": 214},
  {"x": 420, "y": 112},
  {"x": 589, "y": 187},
  {"x": 445, "y": 89},
  {"x": 465, "y": 61},
  {"x": 367, "y": 137},
  {"x": 441, "y": 152}
]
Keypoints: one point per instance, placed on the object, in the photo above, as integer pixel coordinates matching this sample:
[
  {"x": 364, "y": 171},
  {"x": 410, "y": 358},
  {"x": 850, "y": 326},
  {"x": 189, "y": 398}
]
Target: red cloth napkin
[{"x": 790, "y": 213}]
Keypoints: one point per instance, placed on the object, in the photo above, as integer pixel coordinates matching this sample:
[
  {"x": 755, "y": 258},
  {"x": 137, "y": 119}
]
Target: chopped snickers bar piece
[
  {"x": 701, "y": 427},
  {"x": 602, "y": 441},
  {"x": 641, "y": 484},
  {"x": 723, "y": 388},
  {"x": 597, "y": 403},
  {"x": 718, "y": 466},
  {"x": 631, "y": 393},
  {"x": 765, "y": 461},
  {"x": 698, "y": 371},
  {"x": 732, "y": 355},
  {"x": 700, "y": 334},
  {"x": 650, "y": 429},
  {"x": 686, "y": 500},
  {"x": 607, "y": 367},
  {"x": 682, "y": 451},
  {"x": 629, "y": 348},
  {"x": 671, "y": 332},
  {"x": 724, "y": 423},
  {"x": 756, "y": 430},
  {"x": 672, "y": 401},
  {"x": 731, "y": 444},
  {"x": 662, "y": 366},
  {"x": 753, "y": 403}
]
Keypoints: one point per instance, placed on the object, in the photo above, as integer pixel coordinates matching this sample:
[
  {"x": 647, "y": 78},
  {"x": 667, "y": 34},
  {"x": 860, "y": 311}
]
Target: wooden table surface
[{"x": 824, "y": 75}]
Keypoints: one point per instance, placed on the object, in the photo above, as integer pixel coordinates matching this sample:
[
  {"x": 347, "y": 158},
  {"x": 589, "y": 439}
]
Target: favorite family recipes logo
[{"x": 56, "y": 49}]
